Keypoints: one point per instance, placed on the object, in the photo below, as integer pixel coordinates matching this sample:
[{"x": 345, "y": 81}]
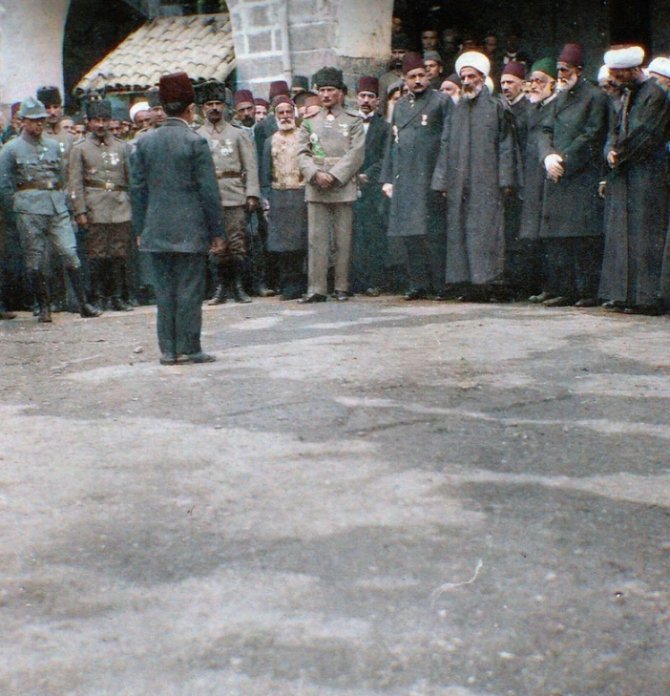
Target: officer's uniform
[
  {"x": 236, "y": 164},
  {"x": 332, "y": 141},
  {"x": 98, "y": 182},
  {"x": 32, "y": 185}
]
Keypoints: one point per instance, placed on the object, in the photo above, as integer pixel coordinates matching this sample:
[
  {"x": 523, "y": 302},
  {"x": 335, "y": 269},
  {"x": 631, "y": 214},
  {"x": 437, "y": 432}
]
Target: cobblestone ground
[{"x": 356, "y": 499}]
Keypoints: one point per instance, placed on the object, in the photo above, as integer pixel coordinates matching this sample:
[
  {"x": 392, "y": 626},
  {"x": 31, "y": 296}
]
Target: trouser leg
[
  {"x": 343, "y": 215},
  {"x": 318, "y": 245},
  {"x": 190, "y": 293},
  {"x": 163, "y": 274},
  {"x": 417, "y": 265},
  {"x": 118, "y": 275}
]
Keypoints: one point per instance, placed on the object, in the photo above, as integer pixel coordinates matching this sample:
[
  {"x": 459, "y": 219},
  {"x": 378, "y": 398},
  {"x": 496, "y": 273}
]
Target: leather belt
[
  {"x": 38, "y": 186},
  {"x": 105, "y": 186}
]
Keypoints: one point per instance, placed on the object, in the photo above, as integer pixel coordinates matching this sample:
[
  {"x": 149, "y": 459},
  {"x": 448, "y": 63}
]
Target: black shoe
[
  {"x": 198, "y": 357},
  {"x": 219, "y": 296},
  {"x": 168, "y": 359},
  {"x": 264, "y": 291},
  {"x": 373, "y": 292},
  {"x": 614, "y": 306},
  {"x": 586, "y": 302},
  {"x": 314, "y": 297},
  {"x": 87, "y": 311},
  {"x": 539, "y": 299},
  {"x": 415, "y": 294},
  {"x": 44, "y": 314},
  {"x": 647, "y": 310},
  {"x": 341, "y": 296},
  {"x": 559, "y": 301},
  {"x": 118, "y": 305},
  {"x": 4, "y": 314}
]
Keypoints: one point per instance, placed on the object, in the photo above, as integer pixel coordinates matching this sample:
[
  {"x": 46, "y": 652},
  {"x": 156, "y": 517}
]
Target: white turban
[
  {"x": 136, "y": 108},
  {"x": 473, "y": 59},
  {"x": 660, "y": 66},
  {"x": 622, "y": 58},
  {"x": 603, "y": 73}
]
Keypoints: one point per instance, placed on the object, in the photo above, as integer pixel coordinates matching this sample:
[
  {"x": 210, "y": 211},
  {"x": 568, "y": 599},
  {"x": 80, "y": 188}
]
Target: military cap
[
  {"x": 99, "y": 108},
  {"x": 433, "y": 55},
  {"x": 32, "y": 109},
  {"x": 152, "y": 95},
  {"x": 300, "y": 82},
  {"x": 212, "y": 90},
  {"x": 49, "y": 96},
  {"x": 328, "y": 77}
]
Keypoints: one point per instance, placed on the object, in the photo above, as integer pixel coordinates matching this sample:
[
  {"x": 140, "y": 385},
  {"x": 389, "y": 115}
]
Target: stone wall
[
  {"x": 31, "y": 46},
  {"x": 276, "y": 39}
]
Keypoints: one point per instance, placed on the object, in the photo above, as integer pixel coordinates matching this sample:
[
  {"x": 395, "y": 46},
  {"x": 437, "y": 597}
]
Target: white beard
[
  {"x": 471, "y": 95},
  {"x": 565, "y": 85},
  {"x": 286, "y": 126}
]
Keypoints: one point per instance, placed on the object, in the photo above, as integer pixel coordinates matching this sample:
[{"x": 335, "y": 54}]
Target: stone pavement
[{"x": 357, "y": 499}]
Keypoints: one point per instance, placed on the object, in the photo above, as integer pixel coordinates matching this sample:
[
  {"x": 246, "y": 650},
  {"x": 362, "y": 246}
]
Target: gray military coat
[
  {"x": 99, "y": 175},
  {"x": 335, "y": 145}
]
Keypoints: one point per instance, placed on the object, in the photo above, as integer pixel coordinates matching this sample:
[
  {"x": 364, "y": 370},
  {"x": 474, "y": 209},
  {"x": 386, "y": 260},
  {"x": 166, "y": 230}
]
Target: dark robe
[
  {"x": 575, "y": 128},
  {"x": 370, "y": 219},
  {"x": 637, "y": 199},
  {"x": 476, "y": 162},
  {"x": 410, "y": 160}
]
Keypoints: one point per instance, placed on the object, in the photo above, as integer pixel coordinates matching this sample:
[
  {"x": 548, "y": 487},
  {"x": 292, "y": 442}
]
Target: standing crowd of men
[{"x": 555, "y": 190}]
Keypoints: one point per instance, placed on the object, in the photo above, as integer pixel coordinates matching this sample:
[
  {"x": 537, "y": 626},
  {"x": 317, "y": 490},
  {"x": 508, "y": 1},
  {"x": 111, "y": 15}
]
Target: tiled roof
[{"x": 202, "y": 45}]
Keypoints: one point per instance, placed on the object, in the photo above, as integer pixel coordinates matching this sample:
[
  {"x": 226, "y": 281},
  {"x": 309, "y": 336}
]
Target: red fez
[
  {"x": 261, "y": 102},
  {"x": 411, "y": 61},
  {"x": 279, "y": 87},
  {"x": 15, "y": 108},
  {"x": 572, "y": 54},
  {"x": 281, "y": 99},
  {"x": 243, "y": 95},
  {"x": 368, "y": 84},
  {"x": 176, "y": 87},
  {"x": 516, "y": 69}
]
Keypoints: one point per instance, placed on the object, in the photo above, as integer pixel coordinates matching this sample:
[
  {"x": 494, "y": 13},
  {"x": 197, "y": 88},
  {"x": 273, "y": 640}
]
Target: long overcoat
[
  {"x": 534, "y": 174},
  {"x": 410, "y": 160},
  {"x": 575, "y": 128},
  {"x": 636, "y": 212},
  {"x": 477, "y": 161},
  {"x": 176, "y": 205}
]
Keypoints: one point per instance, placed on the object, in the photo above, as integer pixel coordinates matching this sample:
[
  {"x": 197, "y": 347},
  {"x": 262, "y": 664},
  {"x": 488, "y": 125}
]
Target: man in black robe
[{"x": 636, "y": 212}]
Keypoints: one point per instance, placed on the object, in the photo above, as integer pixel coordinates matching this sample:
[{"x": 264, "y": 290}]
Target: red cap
[
  {"x": 278, "y": 87},
  {"x": 368, "y": 84},
  {"x": 261, "y": 102},
  {"x": 281, "y": 99},
  {"x": 176, "y": 87},
  {"x": 411, "y": 61},
  {"x": 572, "y": 54},
  {"x": 243, "y": 95},
  {"x": 516, "y": 69}
]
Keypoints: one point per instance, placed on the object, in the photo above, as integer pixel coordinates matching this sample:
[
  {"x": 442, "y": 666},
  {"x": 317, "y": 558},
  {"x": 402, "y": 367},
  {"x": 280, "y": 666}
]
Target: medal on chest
[
  {"x": 226, "y": 149},
  {"x": 424, "y": 119}
]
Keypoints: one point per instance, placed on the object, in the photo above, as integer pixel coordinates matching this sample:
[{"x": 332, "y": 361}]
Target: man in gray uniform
[
  {"x": 177, "y": 214},
  {"x": 332, "y": 150},
  {"x": 32, "y": 178},
  {"x": 234, "y": 155},
  {"x": 98, "y": 182}
]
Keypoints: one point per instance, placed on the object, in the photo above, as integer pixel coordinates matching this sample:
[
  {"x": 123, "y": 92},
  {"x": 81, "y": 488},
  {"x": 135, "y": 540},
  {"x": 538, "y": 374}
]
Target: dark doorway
[
  {"x": 630, "y": 22},
  {"x": 92, "y": 30}
]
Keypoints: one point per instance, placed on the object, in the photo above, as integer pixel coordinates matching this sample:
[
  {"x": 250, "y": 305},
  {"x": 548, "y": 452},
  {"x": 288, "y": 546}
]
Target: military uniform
[
  {"x": 32, "y": 185},
  {"x": 333, "y": 140},
  {"x": 98, "y": 182},
  {"x": 236, "y": 164}
]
